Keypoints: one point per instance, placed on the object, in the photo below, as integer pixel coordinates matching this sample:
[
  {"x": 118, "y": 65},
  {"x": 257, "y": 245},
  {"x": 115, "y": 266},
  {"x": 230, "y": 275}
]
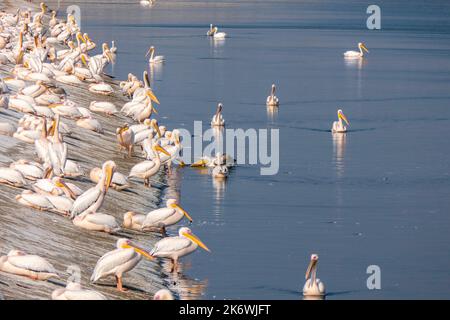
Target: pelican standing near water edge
[
  {"x": 119, "y": 261},
  {"x": 148, "y": 168},
  {"x": 313, "y": 286},
  {"x": 338, "y": 126},
  {"x": 356, "y": 54},
  {"x": 217, "y": 119},
  {"x": 175, "y": 247},
  {"x": 92, "y": 199},
  {"x": 272, "y": 100}
]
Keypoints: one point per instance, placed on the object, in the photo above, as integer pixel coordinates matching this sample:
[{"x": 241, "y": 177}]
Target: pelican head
[
  {"x": 187, "y": 233},
  {"x": 219, "y": 109},
  {"x": 108, "y": 169},
  {"x": 363, "y": 46},
  {"x": 59, "y": 182},
  {"x": 163, "y": 294},
  {"x": 313, "y": 286},
  {"x": 43, "y": 7},
  {"x": 312, "y": 265},
  {"x": 15, "y": 253},
  {"x": 128, "y": 244},
  {"x": 157, "y": 148},
  {"x": 342, "y": 116},
  {"x": 155, "y": 125},
  {"x": 151, "y": 50},
  {"x": 173, "y": 203}
]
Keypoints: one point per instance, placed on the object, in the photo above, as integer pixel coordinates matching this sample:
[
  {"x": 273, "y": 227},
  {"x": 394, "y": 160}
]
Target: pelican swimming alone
[
  {"x": 356, "y": 54},
  {"x": 154, "y": 59},
  {"x": 272, "y": 100},
  {"x": 313, "y": 286},
  {"x": 163, "y": 217},
  {"x": 218, "y": 35},
  {"x": 31, "y": 266},
  {"x": 175, "y": 247},
  {"x": 92, "y": 199},
  {"x": 338, "y": 126},
  {"x": 217, "y": 119},
  {"x": 119, "y": 261}
]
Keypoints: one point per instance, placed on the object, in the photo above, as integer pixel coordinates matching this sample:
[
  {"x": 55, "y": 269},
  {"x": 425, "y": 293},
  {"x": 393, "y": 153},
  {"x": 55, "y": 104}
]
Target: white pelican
[
  {"x": 146, "y": 3},
  {"x": 272, "y": 100},
  {"x": 103, "y": 107},
  {"x": 220, "y": 172},
  {"x": 57, "y": 149},
  {"x": 92, "y": 199},
  {"x": 90, "y": 123},
  {"x": 35, "y": 200},
  {"x": 164, "y": 217},
  {"x": 29, "y": 169},
  {"x": 119, "y": 261},
  {"x": 101, "y": 88},
  {"x": 133, "y": 220},
  {"x": 148, "y": 168},
  {"x": 175, "y": 247},
  {"x": 96, "y": 221},
  {"x": 12, "y": 177},
  {"x": 32, "y": 266},
  {"x": 125, "y": 137},
  {"x": 74, "y": 291},
  {"x": 56, "y": 187},
  {"x": 218, "y": 35},
  {"x": 313, "y": 286},
  {"x": 338, "y": 126},
  {"x": 217, "y": 119},
  {"x": 163, "y": 294},
  {"x": 154, "y": 59},
  {"x": 72, "y": 169},
  {"x": 210, "y": 31},
  {"x": 119, "y": 181},
  {"x": 219, "y": 159},
  {"x": 356, "y": 54}
]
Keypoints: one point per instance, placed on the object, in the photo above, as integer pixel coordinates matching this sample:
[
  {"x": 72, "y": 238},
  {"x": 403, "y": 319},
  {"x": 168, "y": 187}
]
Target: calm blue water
[{"x": 378, "y": 196}]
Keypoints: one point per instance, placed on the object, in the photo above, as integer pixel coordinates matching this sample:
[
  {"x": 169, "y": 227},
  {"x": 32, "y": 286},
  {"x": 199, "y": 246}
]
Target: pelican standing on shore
[
  {"x": 92, "y": 199},
  {"x": 356, "y": 54},
  {"x": 313, "y": 286},
  {"x": 148, "y": 168},
  {"x": 119, "y": 261},
  {"x": 175, "y": 247},
  {"x": 338, "y": 126}
]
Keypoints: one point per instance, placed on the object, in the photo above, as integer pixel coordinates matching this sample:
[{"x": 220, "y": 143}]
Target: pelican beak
[
  {"x": 176, "y": 206},
  {"x": 152, "y": 96},
  {"x": 161, "y": 149},
  {"x": 364, "y": 47},
  {"x": 139, "y": 250},
  {"x": 83, "y": 59},
  {"x": 51, "y": 130},
  {"x": 343, "y": 117},
  {"x": 196, "y": 240},
  {"x": 153, "y": 109},
  {"x": 311, "y": 266},
  {"x": 199, "y": 163},
  {"x": 150, "y": 50},
  {"x": 109, "y": 175},
  {"x": 156, "y": 127},
  {"x": 63, "y": 185}
]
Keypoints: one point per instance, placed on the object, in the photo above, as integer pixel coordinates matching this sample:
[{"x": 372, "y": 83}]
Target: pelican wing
[
  {"x": 32, "y": 262},
  {"x": 169, "y": 245},
  {"x": 156, "y": 216},
  {"x": 110, "y": 261},
  {"x": 83, "y": 202},
  {"x": 141, "y": 168},
  {"x": 102, "y": 219}
]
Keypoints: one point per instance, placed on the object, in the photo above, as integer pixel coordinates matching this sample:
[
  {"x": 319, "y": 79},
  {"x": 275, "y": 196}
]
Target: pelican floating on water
[
  {"x": 217, "y": 119},
  {"x": 272, "y": 100},
  {"x": 356, "y": 54},
  {"x": 164, "y": 217},
  {"x": 175, "y": 247},
  {"x": 154, "y": 59},
  {"x": 119, "y": 261},
  {"x": 313, "y": 286},
  {"x": 338, "y": 126},
  {"x": 32, "y": 266}
]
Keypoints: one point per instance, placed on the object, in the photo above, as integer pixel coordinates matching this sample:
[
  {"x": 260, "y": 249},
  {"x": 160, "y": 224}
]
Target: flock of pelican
[{"x": 44, "y": 52}]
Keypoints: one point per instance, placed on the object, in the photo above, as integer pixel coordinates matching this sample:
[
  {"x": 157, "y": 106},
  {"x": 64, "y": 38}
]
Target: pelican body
[
  {"x": 74, "y": 291},
  {"x": 164, "y": 217},
  {"x": 217, "y": 119},
  {"x": 175, "y": 247},
  {"x": 119, "y": 261},
  {"x": 313, "y": 286},
  {"x": 356, "y": 54},
  {"x": 32, "y": 266},
  {"x": 272, "y": 100},
  {"x": 338, "y": 126}
]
